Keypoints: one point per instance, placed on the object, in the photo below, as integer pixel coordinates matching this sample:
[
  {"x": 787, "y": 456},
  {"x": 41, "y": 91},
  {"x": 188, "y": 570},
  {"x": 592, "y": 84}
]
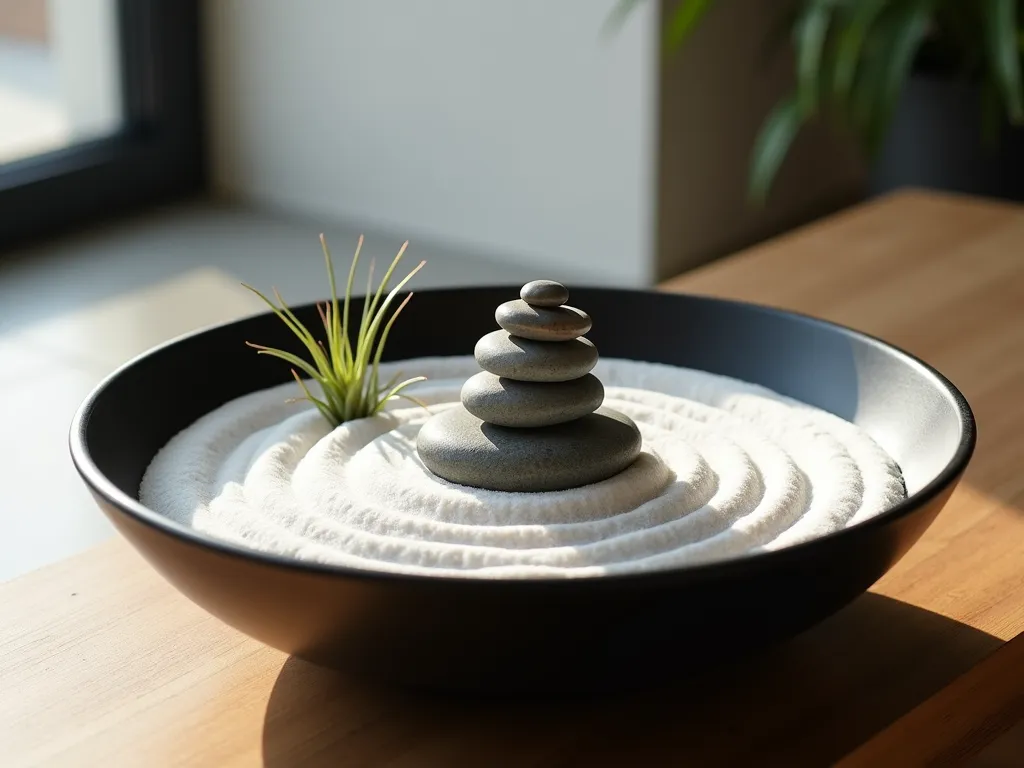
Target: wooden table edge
[{"x": 958, "y": 721}]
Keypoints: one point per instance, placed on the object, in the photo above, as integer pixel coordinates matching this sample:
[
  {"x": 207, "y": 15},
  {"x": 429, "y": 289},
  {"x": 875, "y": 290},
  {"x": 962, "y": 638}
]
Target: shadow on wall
[{"x": 735, "y": 714}]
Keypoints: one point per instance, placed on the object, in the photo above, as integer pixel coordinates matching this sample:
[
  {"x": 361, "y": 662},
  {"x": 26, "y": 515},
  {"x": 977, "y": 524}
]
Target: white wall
[{"x": 511, "y": 128}]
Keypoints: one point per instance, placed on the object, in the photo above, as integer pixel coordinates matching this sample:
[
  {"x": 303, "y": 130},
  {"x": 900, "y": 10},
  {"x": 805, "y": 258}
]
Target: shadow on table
[{"x": 805, "y": 702}]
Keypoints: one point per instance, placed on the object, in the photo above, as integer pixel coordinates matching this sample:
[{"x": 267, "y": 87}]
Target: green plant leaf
[
  {"x": 387, "y": 276},
  {"x": 773, "y": 142},
  {"x": 320, "y": 404},
  {"x": 396, "y": 389},
  {"x": 684, "y": 20},
  {"x": 1000, "y": 18},
  {"x": 850, "y": 41},
  {"x": 347, "y": 353},
  {"x": 332, "y": 324},
  {"x": 367, "y": 299},
  {"x": 363, "y": 358},
  {"x": 294, "y": 326},
  {"x": 889, "y": 55},
  {"x": 383, "y": 340},
  {"x": 617, "y": 16},
  {"x": 315, "y": 349},
  {"x": 288, "y": 357},
  {"x": 809, "y": 31}
]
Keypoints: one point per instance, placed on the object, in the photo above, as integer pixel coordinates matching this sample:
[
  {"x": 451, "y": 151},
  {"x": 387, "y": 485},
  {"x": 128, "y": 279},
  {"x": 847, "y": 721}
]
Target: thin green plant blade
[
  {"x": 372, "y": 309},
  {"x": 357, "y": 396},
  {"x": 772, "y": 143},
  {"x": 284, "y": 318},
  {"x": 288, "y": 357},
  {"x": 895, "y": 42},
  {"x": 617, "y": 17},
  {"x": 295, "y": 327},
  {"x": 320, "y": 404},
  {"x": 344, "y": 331},
  {"x": 319, "y": 357},
  {"x": 396, "y": 389},
  {"x": 684, "y": 20},
  {"x": 330, "y": 316},
  {"x": 372, "y": 389},
  {"x": 850, "y": 42},
  {"x": 362, "y": 359},
  {"x": 809, "y": 33},
  {"x": 392, "y": 381},
  {"x": 1000, "y": 18},
  {"x": 367, "y": 299}
]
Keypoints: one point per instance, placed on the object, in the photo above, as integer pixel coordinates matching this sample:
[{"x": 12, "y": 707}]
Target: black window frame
[{"x": 158, "y": 153}]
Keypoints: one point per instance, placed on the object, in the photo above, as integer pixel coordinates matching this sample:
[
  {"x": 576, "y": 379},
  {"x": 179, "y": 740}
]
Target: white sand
[{"x": 727, "y": 468}]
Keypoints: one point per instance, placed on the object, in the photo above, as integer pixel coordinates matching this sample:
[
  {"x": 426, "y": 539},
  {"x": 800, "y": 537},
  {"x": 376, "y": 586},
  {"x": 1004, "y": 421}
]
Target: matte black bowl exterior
[{"x": 536, "y": 634}]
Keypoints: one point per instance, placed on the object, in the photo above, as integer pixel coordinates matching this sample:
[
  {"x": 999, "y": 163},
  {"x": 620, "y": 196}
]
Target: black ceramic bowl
[{"x": 536, "y": 634}]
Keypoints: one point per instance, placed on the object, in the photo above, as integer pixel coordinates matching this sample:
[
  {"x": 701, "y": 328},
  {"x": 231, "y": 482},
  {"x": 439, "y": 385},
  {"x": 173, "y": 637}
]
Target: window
[{"x": 99, "y": 110}]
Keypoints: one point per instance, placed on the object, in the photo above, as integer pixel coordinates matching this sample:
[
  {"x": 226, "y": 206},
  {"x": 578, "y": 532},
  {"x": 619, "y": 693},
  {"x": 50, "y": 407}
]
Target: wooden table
[{"x": 102, "y": 663}]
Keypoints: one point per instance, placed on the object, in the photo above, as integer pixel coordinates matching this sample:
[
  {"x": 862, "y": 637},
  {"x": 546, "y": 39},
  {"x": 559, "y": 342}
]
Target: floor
[{"x": 73, "y": 310}]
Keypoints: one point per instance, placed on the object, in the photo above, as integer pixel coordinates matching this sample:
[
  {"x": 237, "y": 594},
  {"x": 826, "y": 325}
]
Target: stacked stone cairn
[{"x": 533, "y": 419}]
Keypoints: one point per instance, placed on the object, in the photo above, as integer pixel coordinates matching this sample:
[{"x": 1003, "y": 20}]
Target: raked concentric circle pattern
[{"x": 727, "y": 468}]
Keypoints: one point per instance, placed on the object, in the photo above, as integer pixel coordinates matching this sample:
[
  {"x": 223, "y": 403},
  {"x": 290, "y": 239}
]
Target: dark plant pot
[{"x": 935, "y": 141}]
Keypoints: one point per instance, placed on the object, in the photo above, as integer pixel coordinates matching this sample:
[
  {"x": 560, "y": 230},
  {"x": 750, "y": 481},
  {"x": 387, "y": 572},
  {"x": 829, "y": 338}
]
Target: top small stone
[{"x": 544, "y": 293}]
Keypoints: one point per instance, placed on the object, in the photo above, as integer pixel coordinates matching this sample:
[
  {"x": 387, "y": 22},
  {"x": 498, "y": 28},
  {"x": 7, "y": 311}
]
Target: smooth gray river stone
[
  {"x": 510, "y": 356},
  {"x": 511, "y": 403},
  {"x": 544, "y": 293},
  {"x": 542, "y": 323},
  {"x": 458, "y": 447}
]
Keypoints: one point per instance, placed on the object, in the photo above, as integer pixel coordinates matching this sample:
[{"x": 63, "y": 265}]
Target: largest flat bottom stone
[{"x": 459, "y": 447}]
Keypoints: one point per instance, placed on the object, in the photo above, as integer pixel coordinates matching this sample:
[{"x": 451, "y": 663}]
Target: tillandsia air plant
[
  {"x": 348, "y": 374},
  {"x": 852, "y": 58}
]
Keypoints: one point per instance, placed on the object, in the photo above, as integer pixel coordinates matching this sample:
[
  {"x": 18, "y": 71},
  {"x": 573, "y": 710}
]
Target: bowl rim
[{"x": 101, "y": 486}]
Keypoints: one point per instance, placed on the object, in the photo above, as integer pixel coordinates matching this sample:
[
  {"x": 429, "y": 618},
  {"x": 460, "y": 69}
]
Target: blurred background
[{"x": 154, "y": 154}]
